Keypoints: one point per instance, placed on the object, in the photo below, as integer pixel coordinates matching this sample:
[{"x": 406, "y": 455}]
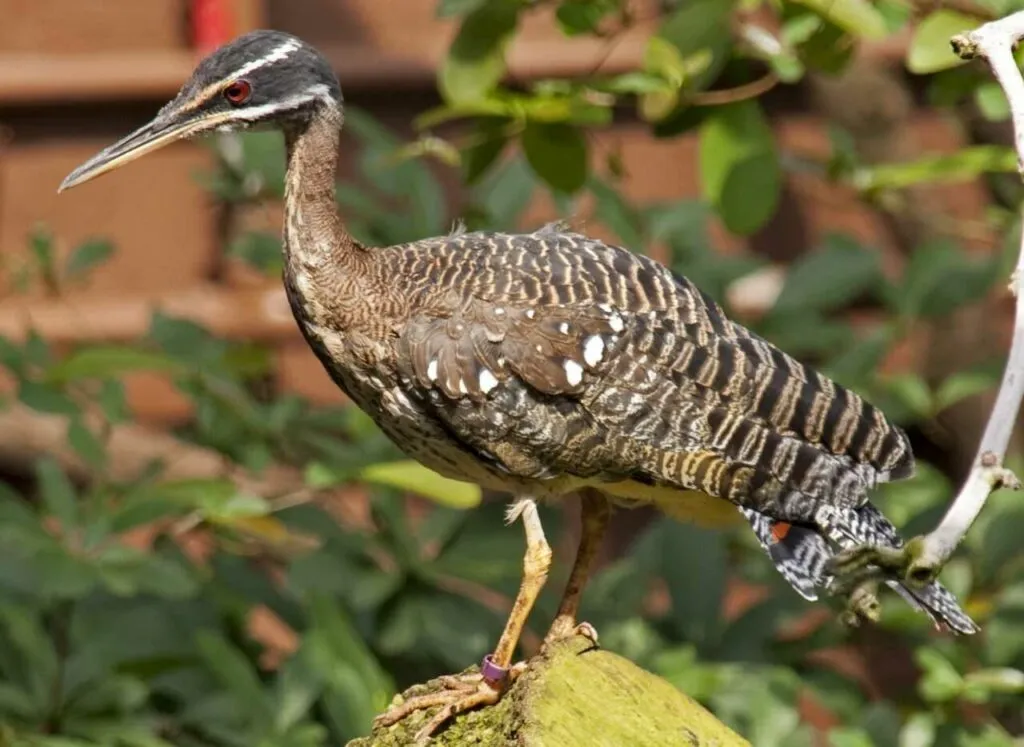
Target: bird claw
[
  {"x": 857, "y": 573},
  {"x": 885, "y": 560},
  {"x": 561, "y": 630},
  {"x": 458, "y": 693}
]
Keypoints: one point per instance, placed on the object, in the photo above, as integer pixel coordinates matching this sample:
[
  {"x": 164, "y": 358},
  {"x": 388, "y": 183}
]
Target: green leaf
[
  {"x": 297, "y": 689},
  {"x": 218, "y": 500},
  {"x": 996, "y": 680},
  {"x": 696, "y": 598},
  {"x": 260, "y": 250},
  {"x": 12, "y": 357},
  {"x": 41, "y": 245},
  {"x": 506, "y": 191},
  {"x": 58, "y": 494},
  {"x": 318, "y": 475},
  {"x": 912, "y": 392},
  {"x": 489, "y": 140},
  {"x": 167, "y": 577},
  {"x": 618, "y": 214},
  {"x": 637, "y": 81},
  {"x": 86, "y": 257},
  {"x": 234, "y": 671},
  {"x": 739, "y": 166},
  {"x": 698, "y": 28},
  {"x": 940, "y": 681},
  {"x": 663, "y": 63},
  {"x": 449, "y": 8},
  {"x": 855, "y": 363},
  {"x": 263, "y": 159},
  {"x": 557, "y": 153},
  {"x": 965, "y": 164},
  {"x": 850, "y": 737},
  {"x": 821, "y": 45},
  {"x": 918, "y": 731},
  {"x": 829, "y": 278},
  {"x": 414, "y": 477},
  {"x": 15, "y": 511},
  {"x": 28, "y": 637},
  {"x": 476, "y": 59},
  {"x": 858, "y": 17},
  {"x": 991, "y": 101},
  {"x": 939, "y": 278},
  {"x": 962, "y": 385},
  {"x": 42, "y": 397},
  {"x": 1002, "y": 544},
  {"x": 583, "y": 16},
  {"x": 37, "y": 350},
  {"x": 86, "y": 444},
  {"x": 103, "y": 362},
  {"x": 930, "y": 49},
  {"x": 359, "y": 688},
  {"x": 113, "y": 400},
  {"x": 183, "y": 338},
  {"x": 16, "y": 703}
]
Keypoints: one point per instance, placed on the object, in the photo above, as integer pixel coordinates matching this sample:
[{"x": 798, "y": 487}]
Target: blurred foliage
[{"x": 115, "y": 630}]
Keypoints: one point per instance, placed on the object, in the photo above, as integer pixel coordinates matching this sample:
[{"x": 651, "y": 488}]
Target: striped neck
[{"x": 315, "y": 235}]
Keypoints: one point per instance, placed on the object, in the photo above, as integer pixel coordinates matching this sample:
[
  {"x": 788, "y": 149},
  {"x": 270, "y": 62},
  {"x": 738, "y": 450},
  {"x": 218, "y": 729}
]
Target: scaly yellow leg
[
  {"x": 462, "y": 693},
  {"x": 595, "y": 512}
]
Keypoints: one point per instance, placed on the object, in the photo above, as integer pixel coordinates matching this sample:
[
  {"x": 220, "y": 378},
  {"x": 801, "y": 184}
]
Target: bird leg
[
  {"x": 463, "y": 692},
  {"x": 595, "y": 512}
]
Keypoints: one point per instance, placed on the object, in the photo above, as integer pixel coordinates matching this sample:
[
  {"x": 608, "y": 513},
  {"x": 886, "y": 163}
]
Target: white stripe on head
[
  {"x": 276, "y": 55},
  {"x": 255, "y": 113}
]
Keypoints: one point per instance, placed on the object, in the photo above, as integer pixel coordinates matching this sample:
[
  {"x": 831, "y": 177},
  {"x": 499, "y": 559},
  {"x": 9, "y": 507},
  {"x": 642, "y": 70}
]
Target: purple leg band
[{"x": 492, "y": 672}]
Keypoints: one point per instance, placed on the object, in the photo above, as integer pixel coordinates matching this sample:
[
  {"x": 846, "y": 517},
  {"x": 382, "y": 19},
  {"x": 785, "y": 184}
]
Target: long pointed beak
[{"x": 163, "y": 130}]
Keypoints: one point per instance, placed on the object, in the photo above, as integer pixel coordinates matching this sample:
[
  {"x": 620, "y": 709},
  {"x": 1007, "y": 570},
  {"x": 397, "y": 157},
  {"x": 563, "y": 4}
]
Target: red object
[{"x": 211, "y": 24}]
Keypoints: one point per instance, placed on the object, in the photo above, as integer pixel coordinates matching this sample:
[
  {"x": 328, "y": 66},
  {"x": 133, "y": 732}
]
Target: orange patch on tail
[{"x": 780, "y": 529}]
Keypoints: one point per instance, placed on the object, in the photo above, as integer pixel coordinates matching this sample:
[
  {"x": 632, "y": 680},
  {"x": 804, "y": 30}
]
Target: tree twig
[{"x": 994, "y": 42}]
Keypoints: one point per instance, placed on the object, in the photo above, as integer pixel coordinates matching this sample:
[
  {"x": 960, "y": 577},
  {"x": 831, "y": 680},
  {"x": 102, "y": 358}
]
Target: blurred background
[{"x": 202, "y": 544}]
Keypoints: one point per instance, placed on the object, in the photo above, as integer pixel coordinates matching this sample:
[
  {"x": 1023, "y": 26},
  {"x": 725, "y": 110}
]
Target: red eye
[{"x": 238, "y": 92}]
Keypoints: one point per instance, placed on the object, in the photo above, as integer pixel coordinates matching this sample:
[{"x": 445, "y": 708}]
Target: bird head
[{"x": 263, "y": 77}]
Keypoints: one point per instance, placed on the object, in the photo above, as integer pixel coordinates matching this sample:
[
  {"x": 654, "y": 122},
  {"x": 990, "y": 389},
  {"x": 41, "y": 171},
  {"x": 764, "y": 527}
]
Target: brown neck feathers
[{"x": 314, "y": 233}]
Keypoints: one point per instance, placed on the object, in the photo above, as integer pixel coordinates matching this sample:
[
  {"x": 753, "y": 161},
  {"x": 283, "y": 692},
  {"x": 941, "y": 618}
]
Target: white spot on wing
[
  {"x": 530, "y": 313},
  {"x": 593, "y": 350},
  {"x": 462, "y": 387},
  {"x": 432, "y": 369},
  {"x": 564, "y": 328},
  {"x": 573, "y": 372},
  {"x": 616, "y": 323},
  {"x": 487, "y": 380}
]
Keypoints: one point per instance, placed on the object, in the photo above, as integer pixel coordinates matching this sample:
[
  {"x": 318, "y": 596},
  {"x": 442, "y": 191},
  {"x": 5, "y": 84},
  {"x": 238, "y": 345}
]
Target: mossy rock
[{"x": 574, "y": 695}]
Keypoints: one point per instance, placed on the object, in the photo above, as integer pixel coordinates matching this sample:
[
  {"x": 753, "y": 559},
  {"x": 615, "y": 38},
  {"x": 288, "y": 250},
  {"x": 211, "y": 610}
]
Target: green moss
[
  {"x": 587, "y": 697},
  {"x": 574, "y": 696}
]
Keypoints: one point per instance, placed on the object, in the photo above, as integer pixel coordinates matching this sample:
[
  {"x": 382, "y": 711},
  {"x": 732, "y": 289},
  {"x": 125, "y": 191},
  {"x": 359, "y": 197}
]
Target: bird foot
[
  {"x": 458, "y": 693},
  {"x": 857, "y": 574},
  {"x": 562, "y": 629}
]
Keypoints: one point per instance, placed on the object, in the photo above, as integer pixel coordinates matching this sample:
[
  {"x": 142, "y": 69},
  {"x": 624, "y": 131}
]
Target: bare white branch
[{"x": 994, "y": 42}]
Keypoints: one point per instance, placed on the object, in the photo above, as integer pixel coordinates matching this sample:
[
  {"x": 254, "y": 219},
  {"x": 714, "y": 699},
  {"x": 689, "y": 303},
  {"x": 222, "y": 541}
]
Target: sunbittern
[{"x": 549, "y": 362}]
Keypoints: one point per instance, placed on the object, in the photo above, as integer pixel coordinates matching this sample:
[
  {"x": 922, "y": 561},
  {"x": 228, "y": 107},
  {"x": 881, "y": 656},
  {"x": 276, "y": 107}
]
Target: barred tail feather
[{"x": 801, "y": 553}]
